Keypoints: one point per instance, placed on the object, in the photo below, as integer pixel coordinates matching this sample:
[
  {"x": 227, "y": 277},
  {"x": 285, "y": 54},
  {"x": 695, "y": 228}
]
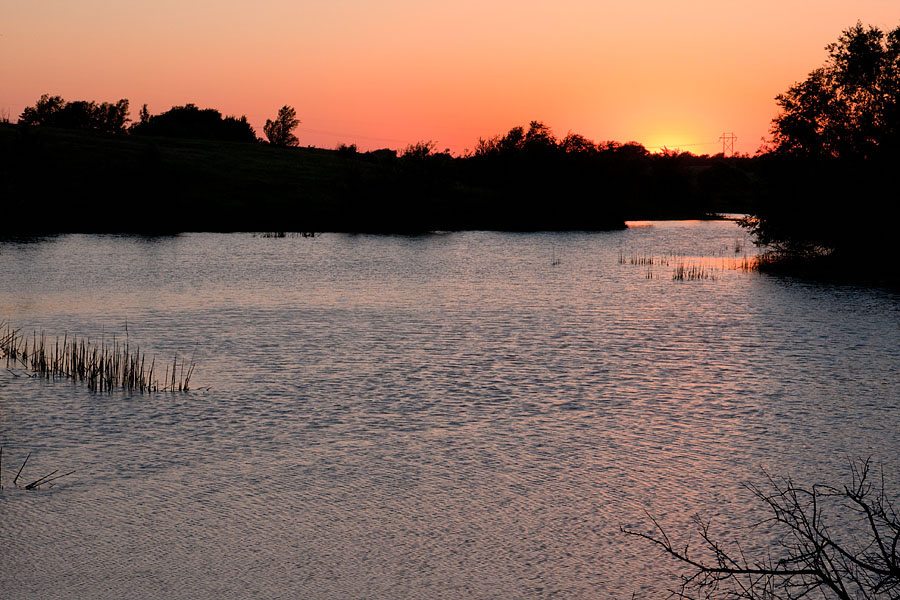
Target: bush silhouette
[
  {"x": 280, "y": 131},
  {"x": 191, "y": 122},
  {"x": 53, "y": 111}
]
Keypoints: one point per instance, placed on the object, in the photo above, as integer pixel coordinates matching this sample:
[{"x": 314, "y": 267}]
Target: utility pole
[{"x": 728, "y": 140}]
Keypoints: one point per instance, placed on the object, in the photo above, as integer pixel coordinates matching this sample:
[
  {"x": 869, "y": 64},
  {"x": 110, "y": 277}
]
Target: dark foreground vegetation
[
  {"x": 822, "y": 196},
  {"x": 58, "y": 179},
  {"x": 830, "y": 205},
  {"x": 833, "y": 541}
]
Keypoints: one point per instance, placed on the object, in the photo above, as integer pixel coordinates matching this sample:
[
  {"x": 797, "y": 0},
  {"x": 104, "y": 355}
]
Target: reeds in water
[
  {"x": 285, "y": 234},
  {"x": 692, "y": 272},
  {"x": 695, "y": 268},
  {"x": 104, "y": 366},
  {"x": 644, "y": 259}
]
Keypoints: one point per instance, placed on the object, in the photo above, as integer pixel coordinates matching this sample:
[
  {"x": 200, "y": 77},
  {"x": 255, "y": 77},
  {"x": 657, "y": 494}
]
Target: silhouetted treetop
[
  {"x": 539, "y": 143},
  {"x": 191, "y": 122},
  {"x": 539, "y": 138},
  {"x": 347, "y": 149},
  {"x": 419, "y": 150},
  {"x": 851, "y": 105},
  {"x": 536, "y": 139},
  {"x": 632, "y": 150},
  {"x": 53, "y": 111},
  {"x": 281, "y": 131},
  {"x": 575, "y": 143}
]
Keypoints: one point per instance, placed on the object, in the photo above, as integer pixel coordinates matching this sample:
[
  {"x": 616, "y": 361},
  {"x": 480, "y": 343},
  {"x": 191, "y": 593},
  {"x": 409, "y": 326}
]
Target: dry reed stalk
[
  {"x": 49, "y": 477},
  {"x": 44, "y": 480},
  {"x": 37, "y": 482},
  {"x": 692, "y": 272},
  {"x": 103, "y": 367},
  {"x": 20, "y": 468}
]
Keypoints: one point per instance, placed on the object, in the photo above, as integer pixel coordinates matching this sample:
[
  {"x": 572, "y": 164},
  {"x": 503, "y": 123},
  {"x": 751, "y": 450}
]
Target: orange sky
[{"x": 390, "y": 72}]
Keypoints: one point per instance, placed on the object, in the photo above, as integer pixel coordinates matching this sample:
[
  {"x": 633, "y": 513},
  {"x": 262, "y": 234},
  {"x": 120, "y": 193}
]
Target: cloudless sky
[{"x": 385, "y": 73}]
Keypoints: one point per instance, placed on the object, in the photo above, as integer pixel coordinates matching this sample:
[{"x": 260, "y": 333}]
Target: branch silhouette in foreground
[{"x": 834, "y": 542}]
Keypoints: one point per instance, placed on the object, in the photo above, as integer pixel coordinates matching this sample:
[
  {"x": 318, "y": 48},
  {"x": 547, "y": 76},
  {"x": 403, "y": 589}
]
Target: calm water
[{"x": 420, "y": 417}]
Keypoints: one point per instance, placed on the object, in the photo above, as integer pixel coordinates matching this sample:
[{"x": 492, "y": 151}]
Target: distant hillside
[
  {"x": 55, "y": 180},
  {"x": 65, "y": 180}
]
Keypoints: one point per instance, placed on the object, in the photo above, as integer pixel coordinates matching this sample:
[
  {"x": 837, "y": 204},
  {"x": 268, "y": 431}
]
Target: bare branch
[
  {"x": 20, "y": 468},
  {"x": 816, "y": 561}
]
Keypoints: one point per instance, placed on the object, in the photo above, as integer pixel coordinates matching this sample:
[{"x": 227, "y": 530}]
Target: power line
[
  {"x": 345, "y": 135},
  {"x": 728, "y": 140},
  {"x": 679, "y": 146}
]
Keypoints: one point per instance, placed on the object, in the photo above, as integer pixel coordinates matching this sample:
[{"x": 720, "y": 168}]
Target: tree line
[
  {"x": 186, "y": 121},
  {"x": 823, "y": 186},
  {"x": 848, "y": 108},
  {"x": 519, "y": 170},
  {"x": 828, "y": 194}
]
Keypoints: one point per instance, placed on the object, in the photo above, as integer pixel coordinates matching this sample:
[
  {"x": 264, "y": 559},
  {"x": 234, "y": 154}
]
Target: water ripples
[{"x": 445, "y": 416}]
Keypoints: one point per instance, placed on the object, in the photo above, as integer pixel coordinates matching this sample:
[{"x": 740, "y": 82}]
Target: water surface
[{"x": 451, "y": 415}]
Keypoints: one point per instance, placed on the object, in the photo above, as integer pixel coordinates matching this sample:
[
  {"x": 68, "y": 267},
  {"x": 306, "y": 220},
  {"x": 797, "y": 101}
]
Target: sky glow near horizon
[{"x": 394, "y": 72}]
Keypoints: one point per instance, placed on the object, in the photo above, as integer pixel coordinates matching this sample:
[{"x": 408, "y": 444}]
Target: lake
[{"x": 456, "y": 415}]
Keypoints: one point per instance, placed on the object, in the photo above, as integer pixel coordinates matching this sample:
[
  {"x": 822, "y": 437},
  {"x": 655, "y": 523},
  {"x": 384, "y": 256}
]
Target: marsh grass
[
  {"x": 692, "y": 272},
  {"x": 697, "y": 268},
  {"x": 285, "y": 234},
  {"x": 647, "y": 260},
  {"x": 103, "y": 367}
]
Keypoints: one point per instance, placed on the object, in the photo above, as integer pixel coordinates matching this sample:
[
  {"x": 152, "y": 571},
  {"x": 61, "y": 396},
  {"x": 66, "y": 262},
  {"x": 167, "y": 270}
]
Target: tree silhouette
[
  {"x": 835, "y": 542},
  {"x": 850, "y": 107},
  {"x": 44, "y": 110},
  {"x": 419, "y": 150},
  {"x": 280, "y": 131},
  {"x": 53, "y": 111},
  {"x": 835, "y": 146},
  {"x": 539, "y": 138},
  {"x": 575, "y": 143},
  {"x": 191, "y": 122}
]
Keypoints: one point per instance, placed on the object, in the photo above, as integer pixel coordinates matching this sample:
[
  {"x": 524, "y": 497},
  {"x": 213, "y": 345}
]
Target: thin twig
[
  {"x": 20, "y": 468},
  {"x": 51, "y": 479},
  {"x": 38, "y": 481}
]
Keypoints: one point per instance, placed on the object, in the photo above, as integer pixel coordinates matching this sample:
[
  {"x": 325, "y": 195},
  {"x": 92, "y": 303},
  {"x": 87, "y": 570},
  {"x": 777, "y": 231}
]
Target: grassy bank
[
  {"x": 55, "y": 180},
  {"x": 64, "y": 180}
]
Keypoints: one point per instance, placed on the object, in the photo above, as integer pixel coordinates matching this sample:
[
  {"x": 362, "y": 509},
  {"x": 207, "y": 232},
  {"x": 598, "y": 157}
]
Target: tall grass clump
[
  {"x": 692, "y": 272},
  {"x": 104, "y": 367},
  {"x": 695, "y": 268},
  {"x": 285, "y": 234},
  {"x": 645, "y": 259}
]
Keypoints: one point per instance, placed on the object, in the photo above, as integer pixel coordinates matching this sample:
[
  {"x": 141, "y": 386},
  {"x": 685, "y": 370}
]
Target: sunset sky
[{"x": 390, "y": 72}]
